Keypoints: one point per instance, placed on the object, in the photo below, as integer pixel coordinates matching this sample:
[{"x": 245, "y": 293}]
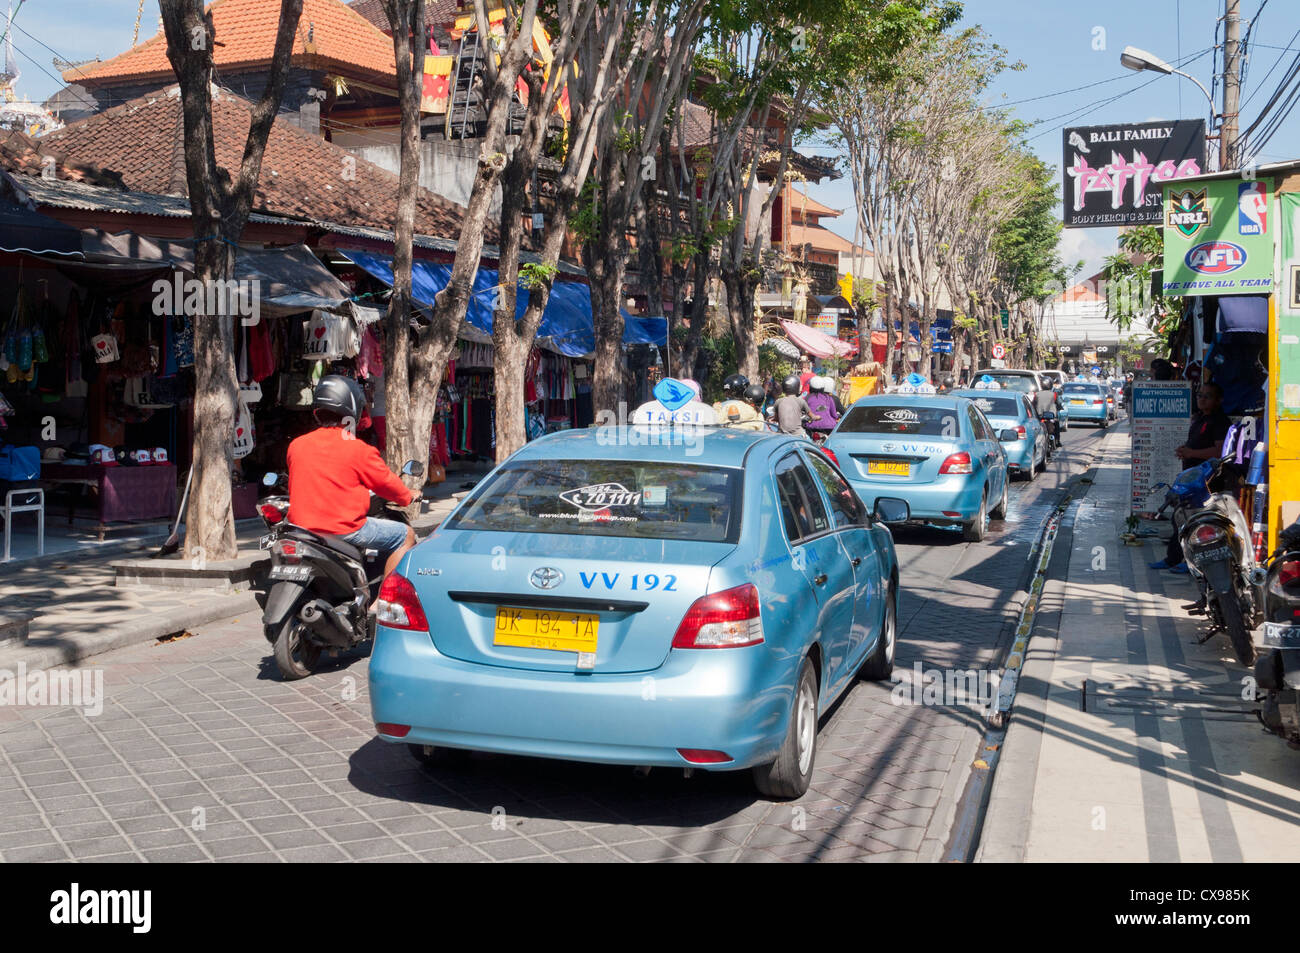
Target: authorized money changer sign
[
  {"x": 1161, "y": 413},
  {"x": 1113, "y": 174},
  {"x": 1219, "y": 237}
]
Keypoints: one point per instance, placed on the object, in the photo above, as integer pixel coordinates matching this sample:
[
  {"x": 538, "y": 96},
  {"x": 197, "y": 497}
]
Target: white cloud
[{"x": 1092, "y": 245}]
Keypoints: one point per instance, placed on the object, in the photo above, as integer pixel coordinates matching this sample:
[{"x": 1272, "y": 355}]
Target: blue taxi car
[
  {"x": 1011, "y": 410},
  {"x": 1082, "y": 400},
  {"x": 608, "y": 595},
  {"x": 939, "y": 453}
]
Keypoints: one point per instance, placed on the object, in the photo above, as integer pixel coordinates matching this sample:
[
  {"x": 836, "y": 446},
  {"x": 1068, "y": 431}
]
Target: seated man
[{"x": 331, "y": 473}]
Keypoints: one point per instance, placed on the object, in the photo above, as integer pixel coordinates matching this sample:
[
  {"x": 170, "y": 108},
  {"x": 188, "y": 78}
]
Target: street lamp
[{"x": 1138, "y": 60}]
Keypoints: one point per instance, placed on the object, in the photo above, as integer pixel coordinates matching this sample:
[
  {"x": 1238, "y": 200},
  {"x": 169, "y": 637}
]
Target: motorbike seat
[{"x": 335, "y": 543}]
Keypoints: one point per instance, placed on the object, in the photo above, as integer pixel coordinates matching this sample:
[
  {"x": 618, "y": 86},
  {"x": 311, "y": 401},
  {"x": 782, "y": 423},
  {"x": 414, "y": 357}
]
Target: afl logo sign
[{"x": 1215, "y": 258}]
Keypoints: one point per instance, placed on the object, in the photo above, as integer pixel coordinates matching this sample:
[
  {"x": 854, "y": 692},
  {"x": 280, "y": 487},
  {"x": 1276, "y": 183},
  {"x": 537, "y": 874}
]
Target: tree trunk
[{"x": 406, "y": 18}]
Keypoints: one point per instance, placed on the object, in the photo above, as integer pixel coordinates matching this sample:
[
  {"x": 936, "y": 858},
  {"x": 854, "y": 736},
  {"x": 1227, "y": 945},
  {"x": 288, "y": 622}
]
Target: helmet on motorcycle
[
  {"x": 820, "y": 385},
  {"x": 337, "y": 398},
  {"x": 755, "y": 394},
  {"x": 734, "y": 385},
  {"x": 790, "y": 386}
]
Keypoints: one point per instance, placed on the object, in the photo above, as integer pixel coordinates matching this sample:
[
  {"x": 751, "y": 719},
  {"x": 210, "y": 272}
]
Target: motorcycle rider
[
  {"x": 791, "y": 410},
  {"x": 733, "y": 388},
  {"x": 331, "y": 472},
  {"x": 744, "y": 414},
  {"x": 822, "y": 402}
]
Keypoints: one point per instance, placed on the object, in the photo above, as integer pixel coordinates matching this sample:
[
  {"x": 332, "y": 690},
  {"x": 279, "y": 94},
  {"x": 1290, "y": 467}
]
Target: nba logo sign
[{"x": 1252, "y": 208}]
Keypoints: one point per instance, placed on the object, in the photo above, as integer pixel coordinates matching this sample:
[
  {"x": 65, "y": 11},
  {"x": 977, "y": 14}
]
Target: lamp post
[{"x": 1138, "y": 60}]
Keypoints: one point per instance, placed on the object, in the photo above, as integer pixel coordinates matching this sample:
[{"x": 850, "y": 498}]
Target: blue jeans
[{"x": 387, "y": 536}]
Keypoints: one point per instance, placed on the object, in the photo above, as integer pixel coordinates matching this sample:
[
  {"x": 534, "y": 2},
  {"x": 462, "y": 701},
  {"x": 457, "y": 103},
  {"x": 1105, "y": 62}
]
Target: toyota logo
[{"x": 546, "y": 577}]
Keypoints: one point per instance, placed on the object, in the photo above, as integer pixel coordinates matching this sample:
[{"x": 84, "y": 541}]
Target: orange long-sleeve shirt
[{"x": 330, "y": 474}]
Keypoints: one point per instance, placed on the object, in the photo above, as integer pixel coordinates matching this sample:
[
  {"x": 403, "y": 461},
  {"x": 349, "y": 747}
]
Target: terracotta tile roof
[
  {"x": 436, "y": 12},
  {"x": 331, "y": 36},
  {"x": 820, "y": 238},
  {"x": 303, "y": 176},
  {"x": 803, "y": 203},
  {"x": 24, "y": 155}
]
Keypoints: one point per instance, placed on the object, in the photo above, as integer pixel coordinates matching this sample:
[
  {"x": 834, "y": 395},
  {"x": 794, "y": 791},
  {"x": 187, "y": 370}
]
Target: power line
[
  {"x": 1279, "y": 59},
  {"x": 1080, "y": 112}
]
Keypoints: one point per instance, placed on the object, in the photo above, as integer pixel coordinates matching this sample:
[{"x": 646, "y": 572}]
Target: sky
[{"x": 1063, "y": 44}]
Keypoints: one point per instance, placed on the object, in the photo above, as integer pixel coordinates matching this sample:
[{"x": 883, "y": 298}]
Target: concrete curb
[{"x": 40, "y": 653}]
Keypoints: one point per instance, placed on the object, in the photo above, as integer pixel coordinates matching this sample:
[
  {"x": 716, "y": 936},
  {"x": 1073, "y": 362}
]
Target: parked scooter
[
  {"x": 320, "y": 587},
  {"x": 1216, "y": 542},
  {"x": 1277, "y": 670}
]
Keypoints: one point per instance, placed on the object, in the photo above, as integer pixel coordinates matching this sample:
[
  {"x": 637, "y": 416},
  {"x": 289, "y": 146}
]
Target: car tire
[
  {"x": 974, "y": 531},
  {"x": 788, "y": 776},
  {"x": 1102, "y": 425},
  {"x": 999, "y": 512},
  {"x": 294, "y": 656},
  {"x": 879, "y": 665}
]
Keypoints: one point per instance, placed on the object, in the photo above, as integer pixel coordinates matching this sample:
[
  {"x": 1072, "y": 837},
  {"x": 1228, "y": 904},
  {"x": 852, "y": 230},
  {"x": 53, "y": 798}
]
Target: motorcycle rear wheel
[
  {"x": 295, "y": 657},
  {"x": 1230, "y": 611}
]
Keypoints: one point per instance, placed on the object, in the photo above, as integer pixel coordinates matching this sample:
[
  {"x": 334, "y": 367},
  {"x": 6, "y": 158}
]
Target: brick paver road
[{"x": 201, "y": 753}]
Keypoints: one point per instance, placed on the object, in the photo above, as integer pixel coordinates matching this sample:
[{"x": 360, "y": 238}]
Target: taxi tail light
[
  {"x": 399, "y": 607},
  {"x": 392, "y": 730},
  {"x": 1096, "y": 402},
  {"x": 1020, "y": 431},
  {"x": 957, "y": 463},
  {"x": 831, "y": 453},
  {"x": 722, "y": 620}
]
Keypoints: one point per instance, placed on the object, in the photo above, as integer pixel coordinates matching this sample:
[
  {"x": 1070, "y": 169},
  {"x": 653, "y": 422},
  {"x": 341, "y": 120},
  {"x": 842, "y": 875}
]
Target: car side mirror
[
  {"x": 891, "y": 510},
  {"x": 413, "y": 468},
  {"x": 1008, "y": 436},
  {"x": 270, "y": 479}
]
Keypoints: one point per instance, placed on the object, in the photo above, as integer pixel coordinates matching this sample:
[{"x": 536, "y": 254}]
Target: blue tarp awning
[{"x": 566, "y": 322}]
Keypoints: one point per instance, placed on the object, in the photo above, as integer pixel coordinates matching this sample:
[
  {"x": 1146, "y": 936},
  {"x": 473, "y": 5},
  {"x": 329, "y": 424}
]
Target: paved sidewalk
[
  {"x": 1128, "y": 740},
  {"x": 80, "y": 612}
]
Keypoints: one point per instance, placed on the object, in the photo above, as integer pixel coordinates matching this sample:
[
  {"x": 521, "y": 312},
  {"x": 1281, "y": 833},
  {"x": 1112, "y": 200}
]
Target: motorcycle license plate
[
  {"x": 553, "y": 631},
  {"x": 1218, "y": 552},
  {"x": 1281, "y": 635},
  {"x": 291, "y": 573},
  {"x": 888, "y": 468}
]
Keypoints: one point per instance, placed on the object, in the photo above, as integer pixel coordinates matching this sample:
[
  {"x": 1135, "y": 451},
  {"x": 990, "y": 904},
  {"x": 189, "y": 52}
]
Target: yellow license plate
[
  {"x": 1080, "y": 402},
  {"x": 889, "y": 468},
  {"x": 539, "y": 629}
]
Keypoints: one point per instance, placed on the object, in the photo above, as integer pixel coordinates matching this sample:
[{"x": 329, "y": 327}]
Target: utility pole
[{"x": 1231, "y": 82}]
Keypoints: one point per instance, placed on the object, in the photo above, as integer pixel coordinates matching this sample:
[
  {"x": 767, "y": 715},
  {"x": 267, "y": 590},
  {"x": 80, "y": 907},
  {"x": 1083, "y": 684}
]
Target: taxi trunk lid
[{"x": 536, "y": 601}]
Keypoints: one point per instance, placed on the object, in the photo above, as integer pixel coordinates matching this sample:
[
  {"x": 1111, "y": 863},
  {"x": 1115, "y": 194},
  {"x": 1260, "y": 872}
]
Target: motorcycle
[
  {"x": 1216, "y": 542},
  {"x": 320, "y": 587},
  {"x": 1277, "y": 670}
]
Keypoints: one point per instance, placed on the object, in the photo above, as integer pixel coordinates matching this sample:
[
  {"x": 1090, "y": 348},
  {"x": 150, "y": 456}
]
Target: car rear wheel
[
  {"x": 974, "y": 531},
  {"x": 295, "y": 657},
  {"x": 788, "y": 776},
  {"x": 879, "y": 665},
  {"x": 1041, "y": 465}
]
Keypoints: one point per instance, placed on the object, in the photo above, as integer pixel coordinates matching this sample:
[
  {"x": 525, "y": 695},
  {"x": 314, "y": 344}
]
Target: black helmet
[
  {"x": 734, "y": 385},
  {"x": 755, "y": 394},
  {"x": 791, "y": 385},
  {"x": 340, "y": 396}
]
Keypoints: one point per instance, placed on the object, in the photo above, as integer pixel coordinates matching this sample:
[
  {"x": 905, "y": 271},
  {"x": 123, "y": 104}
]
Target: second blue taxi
[{"x": 937, "y": 452}]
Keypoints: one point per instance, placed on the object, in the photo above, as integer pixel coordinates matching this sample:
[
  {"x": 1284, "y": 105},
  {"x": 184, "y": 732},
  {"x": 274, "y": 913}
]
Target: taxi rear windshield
[
  {"x": 1092, "y": 389},
  {"x": 608, "y": 498},
  {"x": 899, "y": 419},
  {"x": 1017, "y": 382},
  {"x": 997, "y": 406}
]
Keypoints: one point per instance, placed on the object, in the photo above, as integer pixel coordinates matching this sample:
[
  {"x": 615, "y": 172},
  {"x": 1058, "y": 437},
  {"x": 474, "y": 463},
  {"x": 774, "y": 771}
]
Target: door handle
[
  {"x": 820, "y": 579},
  {"x": 857, "y": 561}
]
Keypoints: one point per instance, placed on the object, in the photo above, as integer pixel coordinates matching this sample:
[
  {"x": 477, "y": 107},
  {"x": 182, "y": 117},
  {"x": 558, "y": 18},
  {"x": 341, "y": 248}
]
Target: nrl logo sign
[
  {"x": 1188, "y": 212},
  {"x": 600, "y": 496}
]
